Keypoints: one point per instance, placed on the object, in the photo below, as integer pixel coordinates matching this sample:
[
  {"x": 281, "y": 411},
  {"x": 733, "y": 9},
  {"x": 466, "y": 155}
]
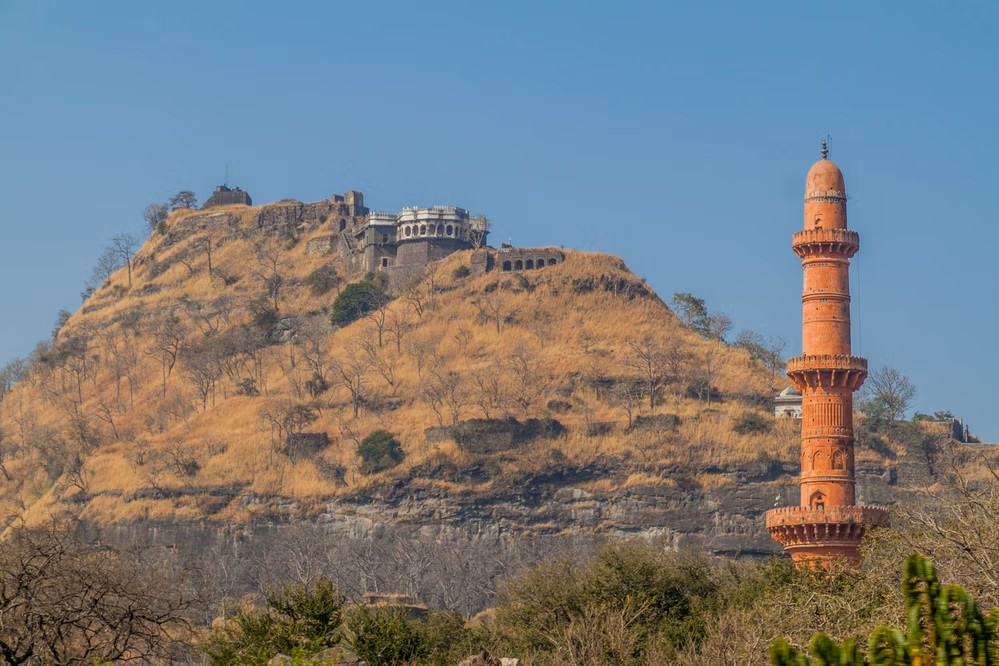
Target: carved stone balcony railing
[
  {"x": 810, "y": 242},
  {"x": 827, "y": 370},
  {"x": 800, "y": 526}
]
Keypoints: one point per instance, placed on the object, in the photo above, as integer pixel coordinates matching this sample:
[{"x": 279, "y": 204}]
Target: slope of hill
[{"x": 206, "y": 384}]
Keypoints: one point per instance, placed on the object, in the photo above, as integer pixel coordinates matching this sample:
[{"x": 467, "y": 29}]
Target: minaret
[{"x": 827, "y": 524}]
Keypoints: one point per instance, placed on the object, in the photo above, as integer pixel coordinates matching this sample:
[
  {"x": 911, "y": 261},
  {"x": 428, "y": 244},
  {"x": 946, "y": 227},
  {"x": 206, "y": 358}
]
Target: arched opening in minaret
[
  {"x": 817, "y": 500},
  {"x": 837, "y": 460}
]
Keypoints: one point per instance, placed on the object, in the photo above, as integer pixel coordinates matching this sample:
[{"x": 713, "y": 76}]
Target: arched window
[
  {"x": 385, "y": 238},
  {"x": 818, "y": 460},
  {"x": 540, "y": 264},
  {"x": 450, "y": 230},
  {"x": 838, "y": 460},
  {"x": 433, "y": 229},
  {"x": 506, "y": 266},
  {"x": 530, "y": 263},
  {"x": 518, "y": 265},
  {"x": 343, "y": 225},
  {"x": 423, "y": 230},
  {"x": 409, "y": 231},
  {"x": 817, "y": 500},
  {"x": 552, "y": 261}
]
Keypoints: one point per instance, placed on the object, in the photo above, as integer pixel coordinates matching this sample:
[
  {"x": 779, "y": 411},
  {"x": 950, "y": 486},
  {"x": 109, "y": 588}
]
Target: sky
[{"x": 674, "y": 135}]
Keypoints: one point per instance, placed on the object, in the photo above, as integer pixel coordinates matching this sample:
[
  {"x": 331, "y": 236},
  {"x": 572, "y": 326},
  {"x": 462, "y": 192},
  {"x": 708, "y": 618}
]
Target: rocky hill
[{"x": 204, "y": 389}]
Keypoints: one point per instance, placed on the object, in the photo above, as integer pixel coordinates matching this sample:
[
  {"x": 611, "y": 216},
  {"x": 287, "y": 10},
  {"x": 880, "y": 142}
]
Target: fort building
[
  {"x": 827, "y": 524},
  {"x": 228, "y": 196}
]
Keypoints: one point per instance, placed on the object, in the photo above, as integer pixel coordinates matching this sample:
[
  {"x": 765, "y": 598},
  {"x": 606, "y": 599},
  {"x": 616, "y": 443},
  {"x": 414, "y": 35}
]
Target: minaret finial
[{"x": 825, "y": 149}]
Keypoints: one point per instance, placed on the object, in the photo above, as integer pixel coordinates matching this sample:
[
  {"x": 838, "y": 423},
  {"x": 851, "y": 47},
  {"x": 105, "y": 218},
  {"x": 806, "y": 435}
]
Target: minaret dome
[{"x": 824, "y": 176}]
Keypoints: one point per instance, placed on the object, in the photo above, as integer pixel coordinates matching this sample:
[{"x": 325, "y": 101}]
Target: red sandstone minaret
[{"x": 827, "y": 524}]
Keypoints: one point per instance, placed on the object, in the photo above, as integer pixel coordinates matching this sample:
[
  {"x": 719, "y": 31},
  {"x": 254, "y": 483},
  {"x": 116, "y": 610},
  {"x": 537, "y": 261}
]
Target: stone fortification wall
[{"x": 511, "y": 259}]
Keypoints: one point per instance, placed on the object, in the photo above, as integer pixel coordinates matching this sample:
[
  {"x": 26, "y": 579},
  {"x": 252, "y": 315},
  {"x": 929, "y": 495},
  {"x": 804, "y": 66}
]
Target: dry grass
[{"x": 558, "y": 328}]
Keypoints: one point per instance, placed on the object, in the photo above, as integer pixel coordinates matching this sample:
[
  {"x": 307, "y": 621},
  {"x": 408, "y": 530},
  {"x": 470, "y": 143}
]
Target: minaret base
[{"x": 818, "y": 537}]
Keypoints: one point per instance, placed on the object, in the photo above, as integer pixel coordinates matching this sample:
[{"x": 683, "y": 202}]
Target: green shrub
[
  {"x": 461, "y": 272},
  {"x": 299, "y": 619},
  {"x": 379, "y": 451},
  {"x": 751, "y": 423},
  {"x": 358, "y": 299},
  {"x": 383, "y": 636},
  {"x": 323, "y": 280}
]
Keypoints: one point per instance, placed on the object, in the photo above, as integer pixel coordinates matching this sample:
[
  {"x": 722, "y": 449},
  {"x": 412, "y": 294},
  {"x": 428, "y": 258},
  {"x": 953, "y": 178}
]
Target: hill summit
[{"x": 233, "y": 373}]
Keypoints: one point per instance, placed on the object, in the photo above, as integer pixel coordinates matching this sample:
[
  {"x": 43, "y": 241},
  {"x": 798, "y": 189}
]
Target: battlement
[{"x": 825, "y": 241}]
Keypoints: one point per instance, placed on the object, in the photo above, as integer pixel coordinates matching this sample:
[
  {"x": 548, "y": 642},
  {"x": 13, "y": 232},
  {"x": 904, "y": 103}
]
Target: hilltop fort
[{"x": 399, "y": 245}]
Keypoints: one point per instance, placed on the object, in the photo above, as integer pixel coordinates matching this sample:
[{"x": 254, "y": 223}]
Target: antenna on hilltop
[{"x": 226, "y": 183}]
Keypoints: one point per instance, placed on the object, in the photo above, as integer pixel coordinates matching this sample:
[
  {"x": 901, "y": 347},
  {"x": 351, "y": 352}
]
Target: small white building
[{"x": 788, "y": 403}]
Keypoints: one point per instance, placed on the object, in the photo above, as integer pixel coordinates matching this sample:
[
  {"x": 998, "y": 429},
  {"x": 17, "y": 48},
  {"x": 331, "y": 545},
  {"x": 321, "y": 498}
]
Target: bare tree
[
  {"x": 123, "y": 247},
  {"x": 271, "y": 267},
  {"x": 155, "y": 215},
  {"x": 169, "y": 339},
  {"x": 768, "y": 351},
  {"x": 63, "y": 602},
  {"x": 891, "y": 393},
  {"x": 399, "y": 325},
  {"x": 491, "y": 308},
  {"x": 531, "y": 380},
  {"x": 478, "y": 230},
  {"x": 202, "y": 368},
  {"x": 443, "y": 389},
  {"x": 490, "y": 396},
  {"x": 648, "y": 358},
  {"x": 350, "y": 372}
]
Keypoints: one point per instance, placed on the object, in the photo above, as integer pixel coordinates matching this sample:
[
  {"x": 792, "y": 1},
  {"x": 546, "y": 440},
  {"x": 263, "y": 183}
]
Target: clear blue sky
[{"x": 675, "y": 135}]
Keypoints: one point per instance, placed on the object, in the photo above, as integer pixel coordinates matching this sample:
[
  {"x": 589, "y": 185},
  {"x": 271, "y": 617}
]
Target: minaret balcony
[
  {"x": 811, "y": 242},
  {"x": 827, "y": 371},
  {"x": 817, "y": 532}
]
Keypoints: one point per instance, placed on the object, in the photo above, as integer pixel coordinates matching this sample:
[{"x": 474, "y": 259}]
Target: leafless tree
[
  {"x": 63, "y": 602},
  {"x": 202, "y": 367},
  {"x": 478, "y": 230},
  {"x": 531, "y": 380},
  {"x": 350, "y": 372},
  {"x": 155, "y": 215},
  {"x": 384, "y": 361},
  {"x": 648, "y": 358},
  {"x": 272, "y": 264},
  {"x": 490, "y": 395},
  {"x": 399, "y": 325},
  {"x": 123, "y": 247},
  {"x": 443, "y": 389},
  {"x": 169, "y": 339},
  {"x": 889, "y": 394},
  {"x": 379, "y": 319},
  {"x": 286, "y": 417},
  {"x": 769, "y": 352},
  {"x": 491, "y": 308}
]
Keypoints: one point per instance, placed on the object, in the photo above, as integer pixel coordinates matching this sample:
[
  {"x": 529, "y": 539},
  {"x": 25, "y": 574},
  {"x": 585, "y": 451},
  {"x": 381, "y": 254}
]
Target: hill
[{"x": 206, "y": 384}]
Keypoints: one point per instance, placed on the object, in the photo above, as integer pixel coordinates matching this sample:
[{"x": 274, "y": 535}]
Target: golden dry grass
[{"x": 558, "y": 328}]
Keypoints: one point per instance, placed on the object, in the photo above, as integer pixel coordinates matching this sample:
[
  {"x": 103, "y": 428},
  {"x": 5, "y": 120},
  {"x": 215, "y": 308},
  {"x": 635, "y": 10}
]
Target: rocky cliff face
[{"x": 726, "y": 520}]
